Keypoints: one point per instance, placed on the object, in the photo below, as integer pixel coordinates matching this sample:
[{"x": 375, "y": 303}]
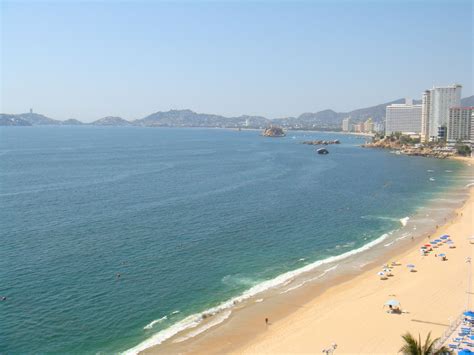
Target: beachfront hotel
[
  {"x": 436, "y": 103},
  {"x": 460, "y": 125},
  {"x": 404, "y": 118},
  {"x": 346, "y": 124}
]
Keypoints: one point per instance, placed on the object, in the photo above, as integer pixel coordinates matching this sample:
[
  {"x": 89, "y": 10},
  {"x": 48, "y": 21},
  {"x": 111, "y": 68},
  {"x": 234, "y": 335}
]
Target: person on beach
[{"x": 266, "y": 321}]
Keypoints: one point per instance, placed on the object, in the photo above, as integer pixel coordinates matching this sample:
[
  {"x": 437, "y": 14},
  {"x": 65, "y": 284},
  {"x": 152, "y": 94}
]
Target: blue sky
[{"x": 87, "y": 60}]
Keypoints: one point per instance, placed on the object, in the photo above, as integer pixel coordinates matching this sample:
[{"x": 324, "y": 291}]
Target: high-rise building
[
  {"x": 435, "y": 110},
  {"x": 460, "y": 123},
  {"x": 379, "y": 127},
  {"x": 358, "y": 127},
  {"x": 346, "y": 124},
  {"x": 472, "y": 129},
  {"x": 404, "y": 118},
  {"x": 368, "y": 125}
]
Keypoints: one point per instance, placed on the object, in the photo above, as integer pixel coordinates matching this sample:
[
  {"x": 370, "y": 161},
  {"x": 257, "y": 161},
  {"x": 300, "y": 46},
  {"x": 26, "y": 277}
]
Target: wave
[
  {"x": 194, "y": 320},
  {"x": 217, "y": 320},
  {"x": 404, "y": 221},
  {"x": 309, "y": 280},
  {"x": 151, "y": 324}
]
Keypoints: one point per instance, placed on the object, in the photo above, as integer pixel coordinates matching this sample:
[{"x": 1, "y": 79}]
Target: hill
[
  {"x": 71, "y": 122},
  {"x": 12, "y": 120},
  {"x": 36, "y": 119},
  {"x": 467, "y": 101},
  {"x": 326, "y": 119},
  {"x": 188, "y": 118},
  {"x": 111, "y": 121}
]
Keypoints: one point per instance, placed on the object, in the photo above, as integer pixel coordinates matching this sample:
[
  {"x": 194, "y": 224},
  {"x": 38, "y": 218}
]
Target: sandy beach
[
  {"x": 349, "y": 311},
  {"x": 352, "y": 315}
]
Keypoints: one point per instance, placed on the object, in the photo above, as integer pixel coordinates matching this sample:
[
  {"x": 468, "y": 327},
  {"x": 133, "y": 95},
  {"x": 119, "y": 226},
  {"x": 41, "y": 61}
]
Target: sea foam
[
  {"x": 151, "y": 324},
  {"x": 404, "y": 221},
  {"x": 194, "y": 320}
]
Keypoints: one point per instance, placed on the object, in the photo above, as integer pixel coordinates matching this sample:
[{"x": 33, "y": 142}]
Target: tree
[
  {"x": 463, "y": 149},
  {"x": 415, "y": 347}
]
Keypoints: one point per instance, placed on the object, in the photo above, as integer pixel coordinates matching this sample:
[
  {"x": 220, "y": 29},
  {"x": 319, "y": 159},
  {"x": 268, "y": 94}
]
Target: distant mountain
[
  {"x": 188, "y": 118},
  {"x": 467, "y": 101},
  {"x": 326, "y": 119},
  {"x": 71, "y": 122},
  {"x": 12, "y": 120},
  {"x": 111, "y": 121},
  {"x": 376, "y": 112},
  {"x": 36, "y": 119}
]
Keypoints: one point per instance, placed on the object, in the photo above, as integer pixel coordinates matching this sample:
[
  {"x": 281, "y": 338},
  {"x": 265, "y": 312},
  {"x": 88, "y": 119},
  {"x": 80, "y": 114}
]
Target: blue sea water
[{"x": 188, "y": 217}]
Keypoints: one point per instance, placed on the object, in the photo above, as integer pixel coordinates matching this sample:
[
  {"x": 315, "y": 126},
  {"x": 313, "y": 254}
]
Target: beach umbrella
[
  {"x": 444, "y": 237},
  {"x": 464, "y": 352},
  {"x": 410, "y": 266},
  {"x": 393, "y": 303},
  {"x": 380, "y": 273},
  {"x": 469, "y": 314},
  {"x": 442, "y": 254},
  {"x": 428, "y": 245},
  {"x": 472, "y": 337},
  {"x": 438, "y": 241}
]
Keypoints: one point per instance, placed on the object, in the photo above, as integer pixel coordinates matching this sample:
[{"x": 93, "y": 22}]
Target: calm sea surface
[{"x": 188, "y": 217}]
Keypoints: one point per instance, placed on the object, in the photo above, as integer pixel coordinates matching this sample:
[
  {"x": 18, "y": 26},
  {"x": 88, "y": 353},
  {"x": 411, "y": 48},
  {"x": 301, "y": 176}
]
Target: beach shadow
[{"x": 427, "y": 322}]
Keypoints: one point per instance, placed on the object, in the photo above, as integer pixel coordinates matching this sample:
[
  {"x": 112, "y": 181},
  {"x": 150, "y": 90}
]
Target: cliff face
[{"x": 273, "y": 132}]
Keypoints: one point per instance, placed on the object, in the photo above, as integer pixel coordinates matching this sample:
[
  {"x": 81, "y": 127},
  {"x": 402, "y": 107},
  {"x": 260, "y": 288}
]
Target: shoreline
[{"x": 243, "y": 326}]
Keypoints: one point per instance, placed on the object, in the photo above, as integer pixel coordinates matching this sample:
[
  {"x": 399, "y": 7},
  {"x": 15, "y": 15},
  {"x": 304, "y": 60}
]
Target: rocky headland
[{"x": 399, "y": 147}]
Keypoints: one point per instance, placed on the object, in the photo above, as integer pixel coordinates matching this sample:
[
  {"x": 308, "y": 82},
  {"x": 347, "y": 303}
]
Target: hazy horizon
[{"x": 273, "y": 59}]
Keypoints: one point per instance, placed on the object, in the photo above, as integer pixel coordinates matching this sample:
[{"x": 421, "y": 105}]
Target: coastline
[
  {"x": 242, "y": 330},
  {"x": 430, "y": 299}
]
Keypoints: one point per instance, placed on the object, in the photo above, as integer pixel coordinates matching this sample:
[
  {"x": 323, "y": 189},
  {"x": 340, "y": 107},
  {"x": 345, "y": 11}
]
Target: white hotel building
[
  {"x": 460, "y": 125},
  {"x": 405, "y": 118},
  {"x": 436, "y": 103}
]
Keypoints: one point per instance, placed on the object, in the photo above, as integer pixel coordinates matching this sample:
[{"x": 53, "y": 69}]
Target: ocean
[{"x": 112, "y": 237}]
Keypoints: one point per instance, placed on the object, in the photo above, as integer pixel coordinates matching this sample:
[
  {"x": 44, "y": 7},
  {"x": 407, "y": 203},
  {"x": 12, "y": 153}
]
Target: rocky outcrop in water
[
  {"x": 273, "y": 132},
  {"x": 322, "y": 142}
]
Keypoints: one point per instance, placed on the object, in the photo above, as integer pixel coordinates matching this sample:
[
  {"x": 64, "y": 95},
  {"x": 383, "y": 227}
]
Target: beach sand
[
  {"x": 352, "y": 315},
  {"x": 349, "y": 311}
]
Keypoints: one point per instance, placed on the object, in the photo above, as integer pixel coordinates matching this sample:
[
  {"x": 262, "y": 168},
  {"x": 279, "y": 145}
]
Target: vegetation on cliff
[{"x": 411, "y": 146}]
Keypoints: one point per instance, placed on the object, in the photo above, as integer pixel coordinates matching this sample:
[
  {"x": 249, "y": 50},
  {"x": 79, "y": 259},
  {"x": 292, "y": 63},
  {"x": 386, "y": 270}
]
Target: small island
[{"x": 273, "y": 132}]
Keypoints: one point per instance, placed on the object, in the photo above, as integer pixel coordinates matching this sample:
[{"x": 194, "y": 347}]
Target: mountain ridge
[{"x": 325, "y": 119}]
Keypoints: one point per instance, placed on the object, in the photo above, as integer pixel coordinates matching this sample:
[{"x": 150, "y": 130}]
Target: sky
[{"x": 86, "y": 60}]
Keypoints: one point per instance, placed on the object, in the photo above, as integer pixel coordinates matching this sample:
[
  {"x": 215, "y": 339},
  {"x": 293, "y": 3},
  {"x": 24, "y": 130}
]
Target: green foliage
[
  {"x": 463, "y": 149},
  {"x": 413, "y": 346}
]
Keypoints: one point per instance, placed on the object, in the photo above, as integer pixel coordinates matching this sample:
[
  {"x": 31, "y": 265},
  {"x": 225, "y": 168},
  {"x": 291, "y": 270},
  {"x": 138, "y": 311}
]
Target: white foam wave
[
  {"x": 195, "y": 319},
  {"x": 174, "y": 312},
  {"x": 212, "y": 323},
  {"x": 404, "y": 221},
  {"x": 151, "y": 324},
  {"x": 309, "y": 280}
]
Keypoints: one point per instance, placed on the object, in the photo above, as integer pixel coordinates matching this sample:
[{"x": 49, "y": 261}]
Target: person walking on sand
[{"x": 266, "y": 321}]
